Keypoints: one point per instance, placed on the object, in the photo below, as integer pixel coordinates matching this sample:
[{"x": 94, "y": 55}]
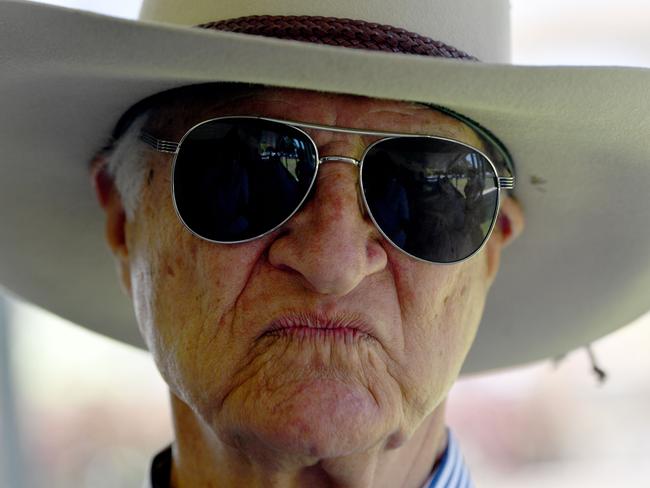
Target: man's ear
[
  {"x": 509, "y": 225},
  {"x": 115, "y": 231}
]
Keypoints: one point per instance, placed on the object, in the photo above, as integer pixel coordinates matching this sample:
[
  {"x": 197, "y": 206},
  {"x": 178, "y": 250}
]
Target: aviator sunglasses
[{"x": 238, "y": 178}]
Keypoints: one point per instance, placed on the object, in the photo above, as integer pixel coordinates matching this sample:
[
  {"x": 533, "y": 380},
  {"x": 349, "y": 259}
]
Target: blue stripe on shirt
[{"x": 452, "y": 471}]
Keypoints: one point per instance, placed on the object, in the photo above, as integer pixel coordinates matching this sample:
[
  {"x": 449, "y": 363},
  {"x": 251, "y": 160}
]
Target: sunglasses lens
[
  {"x": 236, "y": 179},
  {"x": 435, "y": 199}
]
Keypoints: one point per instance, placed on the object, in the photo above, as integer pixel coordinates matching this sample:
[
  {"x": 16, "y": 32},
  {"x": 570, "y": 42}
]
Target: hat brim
[{"x": 579, "y": 137}]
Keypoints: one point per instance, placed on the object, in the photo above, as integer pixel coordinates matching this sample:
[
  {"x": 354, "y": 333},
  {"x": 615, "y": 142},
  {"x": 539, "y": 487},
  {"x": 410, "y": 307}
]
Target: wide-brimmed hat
[{"x": 579, "y": 136}]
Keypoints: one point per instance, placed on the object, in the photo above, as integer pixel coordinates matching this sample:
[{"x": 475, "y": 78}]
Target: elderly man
[
  {"x": 307, "y": 234},
  {"x": 311, "y": 353}
]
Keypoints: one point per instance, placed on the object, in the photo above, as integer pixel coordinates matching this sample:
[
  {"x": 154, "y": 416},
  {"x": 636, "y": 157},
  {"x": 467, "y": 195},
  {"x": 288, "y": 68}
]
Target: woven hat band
[
  {"x": 334, "y": 31},
  {"x": 479, "y": 27}
]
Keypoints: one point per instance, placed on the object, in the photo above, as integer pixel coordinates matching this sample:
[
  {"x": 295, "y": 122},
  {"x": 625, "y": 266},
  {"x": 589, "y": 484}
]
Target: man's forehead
[{"x": 175, "y": 115}]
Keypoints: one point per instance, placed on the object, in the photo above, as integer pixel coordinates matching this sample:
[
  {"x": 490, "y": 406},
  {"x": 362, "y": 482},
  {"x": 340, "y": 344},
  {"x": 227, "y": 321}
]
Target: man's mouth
[{"x": 309, "y": 325}]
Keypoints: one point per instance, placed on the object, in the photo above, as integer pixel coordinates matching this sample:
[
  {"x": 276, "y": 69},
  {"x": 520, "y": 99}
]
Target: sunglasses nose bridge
[
  {"x": 339, "y": 159},
  {"x": 356, "y": 163}
]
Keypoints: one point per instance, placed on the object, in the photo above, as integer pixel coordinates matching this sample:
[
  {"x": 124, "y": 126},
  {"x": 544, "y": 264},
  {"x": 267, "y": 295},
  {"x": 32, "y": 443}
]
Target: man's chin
[{"x": 316, "y": 419}]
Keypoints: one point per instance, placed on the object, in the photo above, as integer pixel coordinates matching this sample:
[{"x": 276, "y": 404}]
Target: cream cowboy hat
[{"x": 580, "y": 138}]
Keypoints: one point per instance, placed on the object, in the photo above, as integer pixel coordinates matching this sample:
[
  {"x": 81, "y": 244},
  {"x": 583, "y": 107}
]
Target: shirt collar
[{"x": 451, "y": 472}]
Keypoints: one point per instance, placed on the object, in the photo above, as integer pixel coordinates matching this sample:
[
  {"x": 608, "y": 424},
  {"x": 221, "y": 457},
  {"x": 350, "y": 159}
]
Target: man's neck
[{"x": 201, "y": 459}]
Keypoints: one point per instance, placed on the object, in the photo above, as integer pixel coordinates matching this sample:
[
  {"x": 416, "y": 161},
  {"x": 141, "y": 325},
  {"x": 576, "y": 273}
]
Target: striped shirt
[{"x": 450, "y": 473}]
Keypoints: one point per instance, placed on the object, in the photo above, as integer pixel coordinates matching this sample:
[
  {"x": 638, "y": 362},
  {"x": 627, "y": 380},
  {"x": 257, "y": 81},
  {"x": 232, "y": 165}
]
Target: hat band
[{"x": 356, "y": 34}]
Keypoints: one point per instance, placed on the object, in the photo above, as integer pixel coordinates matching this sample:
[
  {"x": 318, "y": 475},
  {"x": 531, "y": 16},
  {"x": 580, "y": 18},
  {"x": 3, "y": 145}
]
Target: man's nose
[{"x": 329, "y": 242}]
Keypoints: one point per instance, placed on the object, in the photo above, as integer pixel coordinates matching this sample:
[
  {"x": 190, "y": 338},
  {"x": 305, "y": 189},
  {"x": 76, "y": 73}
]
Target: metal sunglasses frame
[{"x": 170, "y": 147}]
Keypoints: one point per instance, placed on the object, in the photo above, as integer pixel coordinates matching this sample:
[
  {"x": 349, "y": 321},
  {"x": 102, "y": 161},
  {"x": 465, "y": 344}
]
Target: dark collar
[{"x": 161, "y": 468}]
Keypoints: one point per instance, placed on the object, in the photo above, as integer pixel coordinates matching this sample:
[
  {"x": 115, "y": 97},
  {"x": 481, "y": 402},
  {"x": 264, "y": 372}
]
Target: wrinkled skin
[{"x": 302, "y": 409}]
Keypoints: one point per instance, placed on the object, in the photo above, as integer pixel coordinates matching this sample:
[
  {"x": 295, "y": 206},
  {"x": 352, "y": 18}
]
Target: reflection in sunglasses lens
[
  {"x": 237, "y": 179},
  {"x": 434, "y": 199}
]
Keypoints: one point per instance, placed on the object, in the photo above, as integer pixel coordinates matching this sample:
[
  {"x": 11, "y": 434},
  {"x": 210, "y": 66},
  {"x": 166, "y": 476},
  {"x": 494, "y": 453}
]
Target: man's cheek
[
  {"x": 164, "y": 291},
  {"x": 442, "y": 327}
]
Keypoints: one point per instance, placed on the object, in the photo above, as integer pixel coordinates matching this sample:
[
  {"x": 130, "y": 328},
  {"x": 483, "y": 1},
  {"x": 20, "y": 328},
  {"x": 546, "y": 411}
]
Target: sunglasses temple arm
[
  {"x": 158, "y": 144},
  {"x": 506, "y": 182}
]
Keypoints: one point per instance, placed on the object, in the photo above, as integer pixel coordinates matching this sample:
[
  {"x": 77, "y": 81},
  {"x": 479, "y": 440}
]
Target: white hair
[{"x": 127, "y": 165}]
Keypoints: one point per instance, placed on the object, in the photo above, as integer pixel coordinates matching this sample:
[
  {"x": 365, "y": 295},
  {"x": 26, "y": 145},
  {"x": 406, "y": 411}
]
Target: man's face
[{"x": 205, "y": 309}]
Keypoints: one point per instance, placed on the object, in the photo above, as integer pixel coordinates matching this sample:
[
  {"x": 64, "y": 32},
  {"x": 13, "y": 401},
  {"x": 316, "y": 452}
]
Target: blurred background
[{"x": 80, "y": 410}]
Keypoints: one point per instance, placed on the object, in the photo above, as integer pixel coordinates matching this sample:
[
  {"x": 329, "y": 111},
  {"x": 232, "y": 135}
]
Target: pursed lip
[{"x": 308, "y": 323}]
